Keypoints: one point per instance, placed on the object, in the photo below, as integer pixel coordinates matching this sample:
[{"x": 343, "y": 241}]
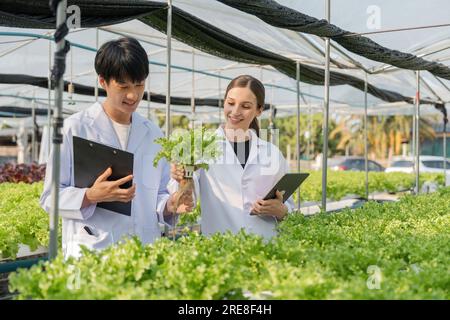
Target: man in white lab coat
[{"x": 122, "y": 67}]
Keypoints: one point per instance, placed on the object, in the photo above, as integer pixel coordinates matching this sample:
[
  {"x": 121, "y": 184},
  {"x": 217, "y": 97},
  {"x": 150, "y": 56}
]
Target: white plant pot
[{"x": 189, "y": 172}]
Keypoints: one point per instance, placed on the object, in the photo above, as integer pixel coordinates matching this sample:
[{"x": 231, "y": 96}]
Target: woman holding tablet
[{"x": 233, "y": 188}]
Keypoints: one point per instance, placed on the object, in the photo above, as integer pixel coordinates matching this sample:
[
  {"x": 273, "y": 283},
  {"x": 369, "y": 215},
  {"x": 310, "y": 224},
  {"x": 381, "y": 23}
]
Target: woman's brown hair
[{"x": 256, "y": 86}]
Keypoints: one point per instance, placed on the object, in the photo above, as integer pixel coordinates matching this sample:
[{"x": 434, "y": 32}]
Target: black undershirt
[{"x": 242, "y": 151}]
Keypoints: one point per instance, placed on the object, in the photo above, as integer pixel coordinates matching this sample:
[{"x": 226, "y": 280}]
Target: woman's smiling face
[{"x": 240, "y": 108}]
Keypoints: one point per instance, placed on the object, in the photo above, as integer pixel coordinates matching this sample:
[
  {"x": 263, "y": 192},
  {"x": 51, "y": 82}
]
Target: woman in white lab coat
[{"x": 249, "y": 167}]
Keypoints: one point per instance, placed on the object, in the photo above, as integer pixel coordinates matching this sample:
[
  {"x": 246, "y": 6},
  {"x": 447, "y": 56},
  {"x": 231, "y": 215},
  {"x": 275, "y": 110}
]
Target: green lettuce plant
[
  {"x": 190, "y": 148},
  {"x": 22, "y": 220},
  {"x": 326, "y": 256},
  {"x": 193, "y": 149}
]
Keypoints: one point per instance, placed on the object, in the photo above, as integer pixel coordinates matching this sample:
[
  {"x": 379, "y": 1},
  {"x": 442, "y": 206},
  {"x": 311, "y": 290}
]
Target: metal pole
[
  {"x": 413, "y": 140},
  {"x": 417, "y": 143},
  {"x": 271, "y": 121},
  {"x": 71, "y": 66},
  {"x": 309, "y": 134},
  {"x": 57, "y": 117},
  {"x": 168, "y": 75},
  {"x": 220, "y": 95},
  {"x": 193, "y": 90},
  {"x": 326, "y": 113},
  {"x": 33, "y": 134},
  {"x": 366, "y": 160},
  {"x": 444, "y": 150},
  {"x": 49, "y": 107},
  {"x": 148, "y": 94},
  {"x": 96, "y": 77},
  {"x": 168, "y": 71},
  {"x": 71, "y": 88},
  {"x": 298, "y": 129},
  {"x": 261, "y": 78}
]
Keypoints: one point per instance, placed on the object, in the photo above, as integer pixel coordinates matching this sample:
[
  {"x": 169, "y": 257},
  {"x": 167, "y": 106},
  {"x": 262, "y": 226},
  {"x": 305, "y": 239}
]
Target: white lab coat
[
  {"x": 151, "y": 185},
  {"x": 227, "y": 191}
]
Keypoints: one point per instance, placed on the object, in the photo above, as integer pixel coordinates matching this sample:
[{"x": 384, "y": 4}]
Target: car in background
[
  {"x": 426, "y": 164},
  {"x": 354, "y": 164}
]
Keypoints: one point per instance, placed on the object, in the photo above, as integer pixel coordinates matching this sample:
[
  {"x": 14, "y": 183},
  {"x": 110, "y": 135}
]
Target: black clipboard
[
  {"x": 91, "y": 159},
  {"x": 288, "y": 183}
]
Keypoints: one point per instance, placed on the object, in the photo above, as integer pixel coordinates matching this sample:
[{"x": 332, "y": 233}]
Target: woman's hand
[
  {"x": 273, "y": 207},
  {"x": 180, "y": 203},
  {"x": 177, "y": 172}
]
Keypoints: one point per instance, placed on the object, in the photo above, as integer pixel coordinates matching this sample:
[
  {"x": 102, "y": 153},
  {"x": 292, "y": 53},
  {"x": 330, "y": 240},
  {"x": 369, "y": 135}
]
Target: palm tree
[
  {"x": 349, "y": 134},
  {"x": 385, "y": 134},
  {"x": 288, "y": 129}
]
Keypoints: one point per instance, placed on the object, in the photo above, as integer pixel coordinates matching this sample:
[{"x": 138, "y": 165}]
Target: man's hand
[
  {"x": 273, "y": 207},
  {"x": 107, "y": 191}
]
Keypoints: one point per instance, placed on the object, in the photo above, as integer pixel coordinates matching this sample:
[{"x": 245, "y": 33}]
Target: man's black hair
[{"x": 123, "y": 60}]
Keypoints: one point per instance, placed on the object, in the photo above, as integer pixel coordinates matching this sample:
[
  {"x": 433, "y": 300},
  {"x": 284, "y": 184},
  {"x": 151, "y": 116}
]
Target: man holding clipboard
[{"x": 109, "y": 188}]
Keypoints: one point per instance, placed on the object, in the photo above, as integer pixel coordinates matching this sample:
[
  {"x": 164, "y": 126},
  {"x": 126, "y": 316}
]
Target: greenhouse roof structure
[{"x": 199, "y": 73}]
